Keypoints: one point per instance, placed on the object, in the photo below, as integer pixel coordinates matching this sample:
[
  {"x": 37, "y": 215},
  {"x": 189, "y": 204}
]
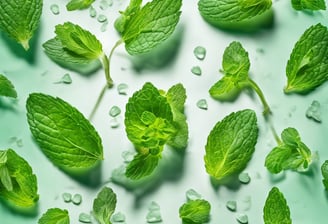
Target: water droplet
[
  {"x": 19, "y": 143},
  {"x": 105, "y": 4},
  {"x": 202, "y": 104},
  {"x": 77, "y": 199},
  {"x": 242, "y": 218},
  {"x": 114, "y": 123},
  {"x": 103, "y": 27},
  {"x": 122, "y": 88},
  {"x": 67, "y": 197},
  {"x": 54, "y": 9},
  {"x": 313, "y": 112},
  {"x": 128, "y": 156},
  {"x": 66, "y": 79},
  {"x": 200, "y": 52},
  {"x": 244, "y": 178},
  {"x": 191, "y": 194},
  {"x": 231, "y": 205},
  {"x": 154, "y": 216},
  {"x": 114, "y": 111},
  {"x": 92, "y": 12},
  {"x": 118, "y": 217},
  {"x": 85, "y": 218},
  {"x": 101, "y": 18},
  {"x": 154, "y": 206},
  {"x": 196, "y": 70}
]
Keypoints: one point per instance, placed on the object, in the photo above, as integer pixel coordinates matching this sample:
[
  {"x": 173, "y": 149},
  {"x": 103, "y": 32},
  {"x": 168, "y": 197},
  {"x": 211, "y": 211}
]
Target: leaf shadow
[
  {"x": 170, "y": 168},
  {"x": 277, "y": 178},
  {"x": 8, "y": 104},
  {"x": 232, "y": 183}
]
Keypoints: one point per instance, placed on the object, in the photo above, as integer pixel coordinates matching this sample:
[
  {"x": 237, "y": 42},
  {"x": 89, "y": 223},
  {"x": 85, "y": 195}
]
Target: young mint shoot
[
  {"x": 79, "y": 4},
  {"x": 236, "y": 66}
]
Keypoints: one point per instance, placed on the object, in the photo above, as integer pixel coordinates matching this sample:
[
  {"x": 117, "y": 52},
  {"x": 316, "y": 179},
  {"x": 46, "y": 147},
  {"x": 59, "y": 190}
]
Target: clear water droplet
[
  {"x": 242, "y": 218},
  {"x": 66, "y": 79},
  {"x": 67, "y": 197},
  {"x": 128, "y": 156},
  {"x": 54, "y": 9},
  {"x": 105, "y": 4},
  {"x": 19, "y": 143},
  {"x": 200, "y": 52},
  {"x": 118, "y": 217},
  {"x": 103, "y": 27},
  {"x": 77, "y": 199},
  {"x": 244, "y": 178},
  {"x": 196, "y": 70},
  {"x": 85, "y": 218},
  {"x": 202, "y": 104},
  {"x": 191, "y": 194},
  {"x": 114, "y": 111},
  {"x": 114, "y": 123},
  {"x": 122, "y": 88},
  {"x": 313, "y": 112},
  {"x": 101, "y": 18},
  {"x": 154, "y": 217},
  {"x": 231, "y": 205},
  {"x": 92, "y": 12},
  {"x": 154, "y": 206}
]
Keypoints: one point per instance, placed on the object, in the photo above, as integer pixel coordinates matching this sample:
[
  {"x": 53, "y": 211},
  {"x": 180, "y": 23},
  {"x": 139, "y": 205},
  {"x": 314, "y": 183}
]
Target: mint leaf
[
  {"x": 65, "y": 136},
  {"x": 144, "y": 28},
  {"x": 236, "y": 14},
  {"x": 141, "y": 166},
  {"x": 307, "y": 67},
  {"x": 309, "y": 4},
  {"x": 104, "y": 205},
  {"x": 68, "y": 59},
  {"x": 236, "y": 66},
  {"x": 276, "y": 210},
  {"x": 324, "y": 172},
  {"x": 132, "y": 9},
  {"x": 20, "y": 19},
  {"x": 79, "y": 4},
  {"x": 230, "y": 144},
  {"x": 7, "y": 88},
  {"x": 55, "y": 216},
  {"x": 291, "y": 154},
  {"x": 18, "y": 184},
  {"x": 195, "y": 212}
]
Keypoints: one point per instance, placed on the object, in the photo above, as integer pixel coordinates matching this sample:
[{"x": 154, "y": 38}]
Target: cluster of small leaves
[
  {"x": 309, "y": 4},
  {"x": 152, "y": 119},
  {"x": 6, "y": 87},
  {"x": 291, "y": 154}
]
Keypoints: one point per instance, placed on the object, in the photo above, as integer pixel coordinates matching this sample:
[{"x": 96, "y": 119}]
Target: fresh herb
[
  {"x": 20, "y": 19},
  {"x": 276, "y": 210},
  {"x": 309, "y": 4},
  {"x": 230, "y": 144},
  {"x": 195, "y": 211},
  {"x": 324, "y": 172},
  {"x": 291, "y": 153},
  {"x": 236, "y": 66},
  {"x": 65, "y": 136},
  {"x": 307, "y": 67},
  {"x": 79, "y": 4},
  {"x": 236, "y": 14},
  {"x": 104, "y": 205},
  {"x": 7, "y": 88},
  {"x": 18, "y": 184},
  {"x": 55, "y": 216},
  {"x": 153, "y": 119}
]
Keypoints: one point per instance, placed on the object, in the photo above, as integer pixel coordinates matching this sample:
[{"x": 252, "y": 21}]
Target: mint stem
[
  {"x": 106, "y": 64},
  {"x": 267, "y": 110},
  {"x": 99, "y": 99},
  {"x": 109, "y": 59},
  {"x": 273, "y": 130}
]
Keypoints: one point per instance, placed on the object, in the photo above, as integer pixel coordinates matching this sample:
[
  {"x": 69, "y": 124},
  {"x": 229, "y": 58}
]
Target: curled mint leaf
[
  {"x": 6, "y": 87},
  {"x": 79, "y": 4},
  {"x": 20, "y": 19},
  {"x": 64, "y": 135},
  {"x": 55, "y": 216}
]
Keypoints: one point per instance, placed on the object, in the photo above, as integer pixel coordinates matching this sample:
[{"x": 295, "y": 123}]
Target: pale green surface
[{"x": 268, "y": 51}]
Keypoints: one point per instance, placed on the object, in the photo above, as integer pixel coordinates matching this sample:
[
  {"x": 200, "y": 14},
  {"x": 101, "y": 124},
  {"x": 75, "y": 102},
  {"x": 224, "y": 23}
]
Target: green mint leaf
[
  {"x": 236, "y": 14},
  {"x": 307, "y": 67},
  {"x": 79, "y": 4},
  {"x": 276, "y": 210},
  {"x": 54, "y": 216},
  {"x": 65, "y": 136},
  {"x": 141, "y": 166},
  {"x": 144, "y": 29},
  {"x": 104, "y": 205},
  {"x": 7, "y": 88},
  {"x": 309, "y": 4},
  {"x": 18, "y": 184},
  {"x": 79, "y": 41},
  {"x": 291, "y": 154},
  {"x": 230, "y": 144},
  {"x": 195, "y": 212},
  {"x": 20, "y": 19},
  {"x": 68, "y": 59},
  {"x": 324, "y": 172},
  {"x": 132, "y": 9}
]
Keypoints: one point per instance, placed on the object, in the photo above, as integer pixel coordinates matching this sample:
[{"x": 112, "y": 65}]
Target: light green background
[{"x": 304, "y": 193}]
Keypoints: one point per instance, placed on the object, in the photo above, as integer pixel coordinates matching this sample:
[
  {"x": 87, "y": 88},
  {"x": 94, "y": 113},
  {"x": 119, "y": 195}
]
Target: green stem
[
  {"x": 106, "y": 64},
  {"x": 109, "y": 59},
  {"x": 267, "y": 110},
  {"x": 274, "y": 132},
  {"x": 99, "y": 99}
]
